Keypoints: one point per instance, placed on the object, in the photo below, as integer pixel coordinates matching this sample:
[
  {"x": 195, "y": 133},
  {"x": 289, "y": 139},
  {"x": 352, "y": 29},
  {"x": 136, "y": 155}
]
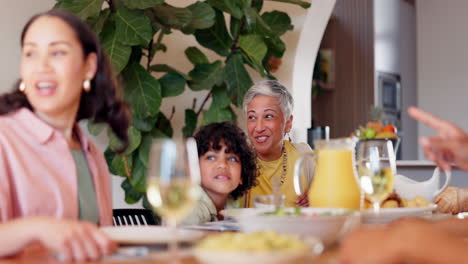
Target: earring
[
  {"x": 22, "y": 87},
  {"x": 87, "y": 85},
  {"x": 289, "y": 137}
]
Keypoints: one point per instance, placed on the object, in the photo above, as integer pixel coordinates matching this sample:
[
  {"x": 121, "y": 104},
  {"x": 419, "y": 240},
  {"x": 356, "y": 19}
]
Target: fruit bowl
[{"x": 395, "y": 142}]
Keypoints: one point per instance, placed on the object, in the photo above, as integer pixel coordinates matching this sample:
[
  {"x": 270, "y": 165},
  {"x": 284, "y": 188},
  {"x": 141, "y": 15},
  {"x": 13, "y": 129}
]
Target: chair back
[{"x": 124, "y": 217}]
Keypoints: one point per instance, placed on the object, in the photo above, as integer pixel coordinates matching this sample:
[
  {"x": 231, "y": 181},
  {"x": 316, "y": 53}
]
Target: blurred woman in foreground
[{"x": 49, "y": 170}]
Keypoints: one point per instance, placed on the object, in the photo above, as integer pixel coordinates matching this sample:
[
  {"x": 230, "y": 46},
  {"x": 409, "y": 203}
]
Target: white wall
[
  {"x": 443, "y": 60},
  {"x": 395, "y": 52}
]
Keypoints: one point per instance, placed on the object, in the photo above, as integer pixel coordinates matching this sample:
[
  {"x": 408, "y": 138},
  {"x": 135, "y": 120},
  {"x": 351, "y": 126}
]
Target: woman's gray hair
[{"x": 271, "y": 88}]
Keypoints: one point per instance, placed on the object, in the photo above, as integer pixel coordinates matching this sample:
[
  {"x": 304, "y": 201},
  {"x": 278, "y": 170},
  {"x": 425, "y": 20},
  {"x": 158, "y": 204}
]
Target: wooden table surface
[{"x": 39, "y": 255}]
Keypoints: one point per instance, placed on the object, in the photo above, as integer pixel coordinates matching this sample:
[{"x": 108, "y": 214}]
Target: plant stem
[
  {"x": 204, "y": 102},
  {"x": 172, "y": 113},
  {"x": 150, "y": 58},
  {"x": 150, "y": 48}
]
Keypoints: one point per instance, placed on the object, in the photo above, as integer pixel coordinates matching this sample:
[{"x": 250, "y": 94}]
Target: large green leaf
[
  {"x": 279, "y": 22},
  {"x": 235, "y": 26},
  {"x": 216, "y": 37},
  {"x": 227, "y": 6},
  {"x": 173, "y": 16},
  {"x": 195, "y": 56},
  {"x": 97, "y": 22},
  {"x": 131, "y": 195},
  {"x": 203, "y": 16},
  {"x": 172, "y": 84},
  {"x": 122, "y": 165},
  {"x": 237, "y": 78},
  {"x": 144, "y": 125},
  {"x": 215, "y": 114},
  {"x": 258, "y": 66},
  {"x": 155, "y": 48},
  {"x": 142, "y": 91},
  {"x": 118, "y": 53},
  {"x": 82, "y": 8},
  {"x": 257, "y": 5},
  {"x": 303, "y": 4},
  {"x": 190, "y": 123},
  {"x": 260, "y": 26},
  {"x": 133, "y": 27},
  {"x": 138, "y": 179},
  {"x": 109, "y": 156},
  {"x": 205, "y": 76},
  {"x": 243, "y": 3},
  {"x": 220, "y": 97},
  {"x": 254, "y": 47},
  {"x": 134, "y": 136},
  {"x": 163, "y": 127},
  {"x": 141, "y": 4},
  {"x": 167, "y": 68},
  {"x": 145, "y": 148},
  {"x": 276, "y": 46},
  {"x": 255, "y": 23}
]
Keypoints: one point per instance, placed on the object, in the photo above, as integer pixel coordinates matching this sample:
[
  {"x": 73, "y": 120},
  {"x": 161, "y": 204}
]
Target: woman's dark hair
[
  {"x": 102, "y": 103},
  {"x": 211, "y": 136}
]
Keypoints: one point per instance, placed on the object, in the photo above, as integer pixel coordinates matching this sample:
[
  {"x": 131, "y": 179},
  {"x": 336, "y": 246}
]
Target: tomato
[{"x": 390, "y": 128}]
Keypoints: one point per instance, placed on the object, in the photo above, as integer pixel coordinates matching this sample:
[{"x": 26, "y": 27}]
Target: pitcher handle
[
  {"x": 448, "y": 176},
  {"x": 297, "y": 172}
]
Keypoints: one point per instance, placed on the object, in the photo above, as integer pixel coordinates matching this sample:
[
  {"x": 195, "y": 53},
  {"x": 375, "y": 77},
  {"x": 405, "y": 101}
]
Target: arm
[
  {"x": 403, "y": 242},
  {"x": 73, "y": 240},
  {"x": 450, "y": 145},
  {"x": 452, "y": 200}
]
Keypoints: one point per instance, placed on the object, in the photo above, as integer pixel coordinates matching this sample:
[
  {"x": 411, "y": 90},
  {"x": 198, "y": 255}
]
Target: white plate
[
  {"x": 149, "y": 234},
  {"x": 327, "y": 224},
  {"x": 235, "y": 257},
  {"x": 390, "y": 214}
]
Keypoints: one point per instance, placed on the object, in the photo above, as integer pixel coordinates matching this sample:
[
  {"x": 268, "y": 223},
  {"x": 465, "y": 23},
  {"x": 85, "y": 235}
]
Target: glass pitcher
[{"x": 334, "y": 183}]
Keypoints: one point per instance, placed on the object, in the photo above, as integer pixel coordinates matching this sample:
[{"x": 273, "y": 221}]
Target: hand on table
[
  {"x": 303, "y": 200},
  {"x": 447, "y": 201},
  {"x": 74, "y": 240},
  {"x": 450, "y": 145}
]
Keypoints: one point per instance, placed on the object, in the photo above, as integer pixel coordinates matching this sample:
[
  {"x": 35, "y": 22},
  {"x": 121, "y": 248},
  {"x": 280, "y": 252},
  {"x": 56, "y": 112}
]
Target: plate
[
  {"x": 235, "y": 257},
  {"x": 390, "y": 214},
  {"x": 137, "y": 235},
  {"x": 326, "y": 224}
]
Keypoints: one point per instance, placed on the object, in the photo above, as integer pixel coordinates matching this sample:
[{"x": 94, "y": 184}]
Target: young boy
[{"x": 227, "y": 167}]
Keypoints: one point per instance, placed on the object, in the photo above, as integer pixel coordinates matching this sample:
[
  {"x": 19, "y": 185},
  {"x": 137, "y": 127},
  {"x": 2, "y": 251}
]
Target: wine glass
[
  {"x": 376, "y": 167},
  {"x": 173, "y": 182}
]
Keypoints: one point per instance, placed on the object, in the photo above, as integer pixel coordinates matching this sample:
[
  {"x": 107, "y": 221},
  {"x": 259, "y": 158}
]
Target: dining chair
[{"x": 131, "y": 216}]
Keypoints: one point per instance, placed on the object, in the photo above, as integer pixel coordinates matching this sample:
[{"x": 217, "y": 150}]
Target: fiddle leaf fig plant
[{"x": 132, "y": 33}]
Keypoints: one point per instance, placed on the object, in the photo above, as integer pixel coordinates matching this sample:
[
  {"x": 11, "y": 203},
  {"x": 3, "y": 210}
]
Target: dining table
[{"x": 36, "y": 254}]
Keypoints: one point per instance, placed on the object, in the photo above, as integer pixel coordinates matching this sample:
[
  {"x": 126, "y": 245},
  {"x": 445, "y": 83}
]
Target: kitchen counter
[{"x": 415, "y": 163}]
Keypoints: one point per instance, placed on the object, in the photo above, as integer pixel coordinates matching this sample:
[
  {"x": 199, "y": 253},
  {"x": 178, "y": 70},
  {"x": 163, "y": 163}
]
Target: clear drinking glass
[
  {"x": 376, "y": 167},
  {"x": 173, "y": 182}
]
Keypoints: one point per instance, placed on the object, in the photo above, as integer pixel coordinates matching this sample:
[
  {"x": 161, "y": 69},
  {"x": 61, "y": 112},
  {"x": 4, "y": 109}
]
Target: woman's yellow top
[{"x": 269, "y": 169}]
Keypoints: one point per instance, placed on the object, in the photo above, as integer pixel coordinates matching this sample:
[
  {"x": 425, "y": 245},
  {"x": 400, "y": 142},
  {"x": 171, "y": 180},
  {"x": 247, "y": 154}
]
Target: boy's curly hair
[{"x": 210, "y": 137}]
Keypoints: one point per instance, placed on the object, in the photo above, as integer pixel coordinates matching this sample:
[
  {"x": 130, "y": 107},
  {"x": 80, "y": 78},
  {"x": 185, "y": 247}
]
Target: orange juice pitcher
[{"x": 334, "y": 183}]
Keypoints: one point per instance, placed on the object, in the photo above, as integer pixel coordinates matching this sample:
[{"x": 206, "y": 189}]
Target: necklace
[{"x": 285, "y": 163}]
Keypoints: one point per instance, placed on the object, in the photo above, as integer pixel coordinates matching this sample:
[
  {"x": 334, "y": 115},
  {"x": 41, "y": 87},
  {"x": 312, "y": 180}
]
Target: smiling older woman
[{"x": 268, "y": 106}]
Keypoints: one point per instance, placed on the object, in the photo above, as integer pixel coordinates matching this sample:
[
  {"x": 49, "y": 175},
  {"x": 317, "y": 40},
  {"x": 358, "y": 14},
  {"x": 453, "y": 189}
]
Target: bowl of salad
[
  {"x": 264, "y": 247},
  {"x": 326, "y": 224}
]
